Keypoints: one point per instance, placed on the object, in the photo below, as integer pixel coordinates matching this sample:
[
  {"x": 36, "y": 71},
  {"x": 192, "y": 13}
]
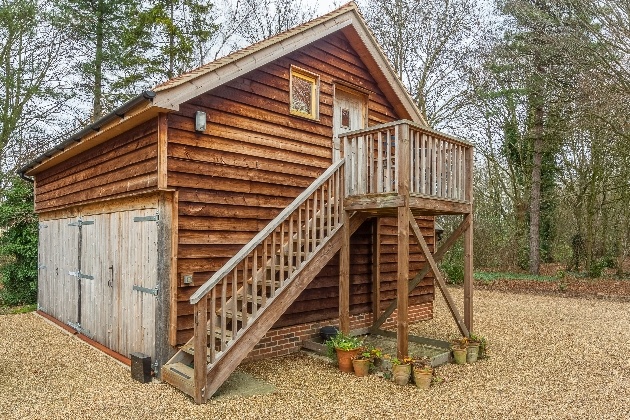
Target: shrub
[
  {"x": 454, "y": 271},
  {"x": 18, "y": 244}
]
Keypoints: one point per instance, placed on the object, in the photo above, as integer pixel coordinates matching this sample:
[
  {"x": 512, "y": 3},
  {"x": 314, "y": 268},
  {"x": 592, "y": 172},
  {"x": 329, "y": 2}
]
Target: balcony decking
[{"x": 439, "y": 169}]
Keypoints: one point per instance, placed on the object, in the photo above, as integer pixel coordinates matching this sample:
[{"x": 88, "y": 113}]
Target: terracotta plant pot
[
  {"x": 472, "y": 353},
  {"x": 422, "y": 378},
  {"x": 460, "y": 356},
  {"x": 344, "y": 357},
  {"x": 361, "y": 367},
  {"x": 401, "y": 374}
]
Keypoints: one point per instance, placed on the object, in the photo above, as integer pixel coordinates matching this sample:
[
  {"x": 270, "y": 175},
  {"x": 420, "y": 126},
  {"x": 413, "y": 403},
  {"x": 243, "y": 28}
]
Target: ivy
[{"x": 18, "y": 244}]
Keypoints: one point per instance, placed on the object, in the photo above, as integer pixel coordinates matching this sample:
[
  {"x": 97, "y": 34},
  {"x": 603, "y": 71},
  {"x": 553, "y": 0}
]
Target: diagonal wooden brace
[
  {"x": 413, "y": 283},
  {"x": 438, "y": 277}
]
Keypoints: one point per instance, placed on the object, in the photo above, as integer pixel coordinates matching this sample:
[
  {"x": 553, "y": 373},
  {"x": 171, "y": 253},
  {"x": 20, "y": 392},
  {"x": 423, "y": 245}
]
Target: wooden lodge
[{"x": 233, "y": 210}]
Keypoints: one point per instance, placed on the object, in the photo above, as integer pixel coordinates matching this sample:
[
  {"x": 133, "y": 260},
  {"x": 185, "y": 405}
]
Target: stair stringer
[{"x": 249, "y": 337}]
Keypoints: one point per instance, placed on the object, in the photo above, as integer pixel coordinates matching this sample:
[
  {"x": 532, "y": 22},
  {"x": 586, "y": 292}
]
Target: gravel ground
[{"x": 551, "y": 357}]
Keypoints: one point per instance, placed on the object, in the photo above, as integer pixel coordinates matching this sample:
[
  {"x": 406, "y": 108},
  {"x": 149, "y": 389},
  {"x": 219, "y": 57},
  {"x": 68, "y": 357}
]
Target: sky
[{"x": 325, "y": 6}]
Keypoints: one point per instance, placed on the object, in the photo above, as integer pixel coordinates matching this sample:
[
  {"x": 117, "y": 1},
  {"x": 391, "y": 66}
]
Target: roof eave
[{"x": 129, "y": 111}]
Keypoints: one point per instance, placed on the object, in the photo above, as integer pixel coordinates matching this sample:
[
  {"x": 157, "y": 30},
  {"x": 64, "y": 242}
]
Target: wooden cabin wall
[
  {"x": 320, "y": 300},
  {"x": 252, "y": 160},
  {"x": 124, "y": 164}
]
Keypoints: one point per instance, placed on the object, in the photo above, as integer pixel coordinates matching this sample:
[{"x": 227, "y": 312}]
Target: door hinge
[
  {"x": 80, "y": 275},
  {"x": 81, "y": 222},
  {"x": 41, "y": 267},
  {"x": 154, "y": 218},
  {"x": 80, "y": 329},
  {"x": 42, "y": 226},
  {"x": 142, "y": 289}
]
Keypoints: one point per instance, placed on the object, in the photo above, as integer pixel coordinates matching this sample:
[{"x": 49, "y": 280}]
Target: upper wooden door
[{"x": 349, "y": 114}]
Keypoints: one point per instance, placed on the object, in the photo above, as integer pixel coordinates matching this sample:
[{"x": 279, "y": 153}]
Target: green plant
[
  {"x": 404, "y": 361},
  {"x": 369, "y": 353},
  {"x": 460, "y": 343},
  {"x": 596, "y": 269},
  {"x": 343, "y": 342},
  {"x": 483, "y": 344},
  {"x": 454, "y": 271},
  {"x": 18, "y": 244}
]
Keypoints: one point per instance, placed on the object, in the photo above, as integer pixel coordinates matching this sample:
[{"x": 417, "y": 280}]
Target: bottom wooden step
[{"x": 180, "y": 376}]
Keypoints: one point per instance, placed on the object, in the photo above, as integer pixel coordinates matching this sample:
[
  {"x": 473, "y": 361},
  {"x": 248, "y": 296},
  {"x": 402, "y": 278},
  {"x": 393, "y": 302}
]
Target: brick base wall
[{"x": 282, "y": 341}]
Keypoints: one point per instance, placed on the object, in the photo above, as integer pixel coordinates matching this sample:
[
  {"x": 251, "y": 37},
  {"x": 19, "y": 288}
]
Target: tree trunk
[
  {"x": 171, "y": 45},
  {"x": 534, "y": 208},
  {"x": 97, "y": 110}
]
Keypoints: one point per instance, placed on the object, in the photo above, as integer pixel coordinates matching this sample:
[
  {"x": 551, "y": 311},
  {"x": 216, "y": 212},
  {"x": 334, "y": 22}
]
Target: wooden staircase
[{"x": 237, "y": 306}]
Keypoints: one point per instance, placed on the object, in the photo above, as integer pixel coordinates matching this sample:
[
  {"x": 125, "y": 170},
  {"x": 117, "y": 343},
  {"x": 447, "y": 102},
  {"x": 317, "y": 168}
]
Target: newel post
[
  {"x": 402, "y": 286},
  {"x": 201, "y": 349}
]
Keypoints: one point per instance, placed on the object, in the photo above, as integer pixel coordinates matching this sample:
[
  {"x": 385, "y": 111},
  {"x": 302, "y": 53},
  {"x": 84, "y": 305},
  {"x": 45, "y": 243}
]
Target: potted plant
[
  {"x": 422, "y": 372},
  {"x": 377, "y": 356},
  {"x": 460, "y": 350},
  {"x": 401, "y": 370},
  {"x": 482, "y": 345},
  {"x": 346, "y": 348},
  {"x": 362, "y": 361}
]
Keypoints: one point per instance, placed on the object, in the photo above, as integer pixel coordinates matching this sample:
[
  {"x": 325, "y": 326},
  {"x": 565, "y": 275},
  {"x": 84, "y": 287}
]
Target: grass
[
  {"x": 489, "y": 277},
  {"x": 23, "y": 309}
]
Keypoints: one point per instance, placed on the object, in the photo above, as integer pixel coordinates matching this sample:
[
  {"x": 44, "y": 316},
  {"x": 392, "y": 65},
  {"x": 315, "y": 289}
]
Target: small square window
[{"x": 304, "y": 96}]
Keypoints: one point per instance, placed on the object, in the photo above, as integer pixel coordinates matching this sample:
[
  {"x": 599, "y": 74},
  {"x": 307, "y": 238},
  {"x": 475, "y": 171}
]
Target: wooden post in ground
[
  {"x": 376, "y": 269},
  {"x": 403, "y": 164},
  {"x": 344, "y": 276},
  {"x": 201, "y": 350},
  {"x": 468, "y": 244},
  {"x": 468, "y": 275}
]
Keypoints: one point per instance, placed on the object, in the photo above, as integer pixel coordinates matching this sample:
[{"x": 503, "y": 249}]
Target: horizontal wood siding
[
  {"x": 320, "y": 300},
  {"x": 252, "y": 160},
  {"x": 125, "y": 164}
]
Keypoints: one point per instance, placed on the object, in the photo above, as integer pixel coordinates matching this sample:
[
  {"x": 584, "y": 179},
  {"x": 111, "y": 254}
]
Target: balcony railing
[{"x": 437, "y": 165}]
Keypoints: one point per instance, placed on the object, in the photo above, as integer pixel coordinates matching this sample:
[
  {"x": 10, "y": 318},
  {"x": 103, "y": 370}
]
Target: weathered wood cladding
[
  {"x": 123, "y": 165},
  {"x": 321, "y": 299},
  {"x": 253, "y": 159}
]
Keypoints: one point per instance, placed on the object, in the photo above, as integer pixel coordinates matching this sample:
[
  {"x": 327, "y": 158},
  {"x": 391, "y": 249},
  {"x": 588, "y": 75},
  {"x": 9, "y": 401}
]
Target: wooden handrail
[
  {"x": 436, "y": 165},
  {"x": 420, "y": 127},
  {"x": 263, "y": 234}
]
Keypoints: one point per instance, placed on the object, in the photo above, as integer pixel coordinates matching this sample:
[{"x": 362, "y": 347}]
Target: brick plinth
[{"x": 282, "y": 341}]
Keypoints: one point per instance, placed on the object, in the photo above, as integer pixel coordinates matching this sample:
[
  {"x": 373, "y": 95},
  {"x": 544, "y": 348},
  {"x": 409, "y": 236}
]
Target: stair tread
[
  {"x": 181, "y": 369},
  {"x": 181, "y": 376}
]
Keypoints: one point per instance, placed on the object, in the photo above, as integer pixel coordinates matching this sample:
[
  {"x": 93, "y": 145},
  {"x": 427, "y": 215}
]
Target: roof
[{"x": 169, "y": 95}]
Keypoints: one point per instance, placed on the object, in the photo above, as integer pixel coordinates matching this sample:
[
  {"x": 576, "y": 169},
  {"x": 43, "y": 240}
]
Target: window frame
[{"x": 313, "y": 79}]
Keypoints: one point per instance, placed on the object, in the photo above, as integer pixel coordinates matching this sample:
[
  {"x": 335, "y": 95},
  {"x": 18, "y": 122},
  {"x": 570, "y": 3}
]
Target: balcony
[{"x": 403, "y": 163}]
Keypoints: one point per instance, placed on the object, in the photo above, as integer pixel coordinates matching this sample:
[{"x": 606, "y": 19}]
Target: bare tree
[
  {"x": 430, "y": 45},
  {"x": 250, "y": 21},
  {"x": 31, "y": 80}
]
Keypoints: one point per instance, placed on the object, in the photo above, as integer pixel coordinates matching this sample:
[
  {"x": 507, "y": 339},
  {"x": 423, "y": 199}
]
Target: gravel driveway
[{"x": 551, "y": 357}]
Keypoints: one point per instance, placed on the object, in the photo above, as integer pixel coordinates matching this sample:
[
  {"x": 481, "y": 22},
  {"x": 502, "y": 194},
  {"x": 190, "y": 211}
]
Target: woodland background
[{"x": 541, "y": 87}]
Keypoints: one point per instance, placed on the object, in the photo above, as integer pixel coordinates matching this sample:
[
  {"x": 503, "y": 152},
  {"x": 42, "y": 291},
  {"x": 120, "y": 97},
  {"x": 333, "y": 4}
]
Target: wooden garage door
[
  {"x": 118, "y": 305},
  {"x": 98, "y": 274},
  {"x": 57, "y": 258}
]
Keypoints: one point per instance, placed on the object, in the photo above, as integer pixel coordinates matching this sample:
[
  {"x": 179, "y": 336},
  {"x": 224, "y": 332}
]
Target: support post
[
  {"x": 201, "y": 350},
  {"x": 402, "y": 286},
  {"x": 425, "y": 270},
  {"x": 438, "y": 278},
  {"x": 376, "y": 268},
  {"x": 403, "y": 281},
  {"x": 468, "y": 274},
  {"x": 344, "y": 276}
]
